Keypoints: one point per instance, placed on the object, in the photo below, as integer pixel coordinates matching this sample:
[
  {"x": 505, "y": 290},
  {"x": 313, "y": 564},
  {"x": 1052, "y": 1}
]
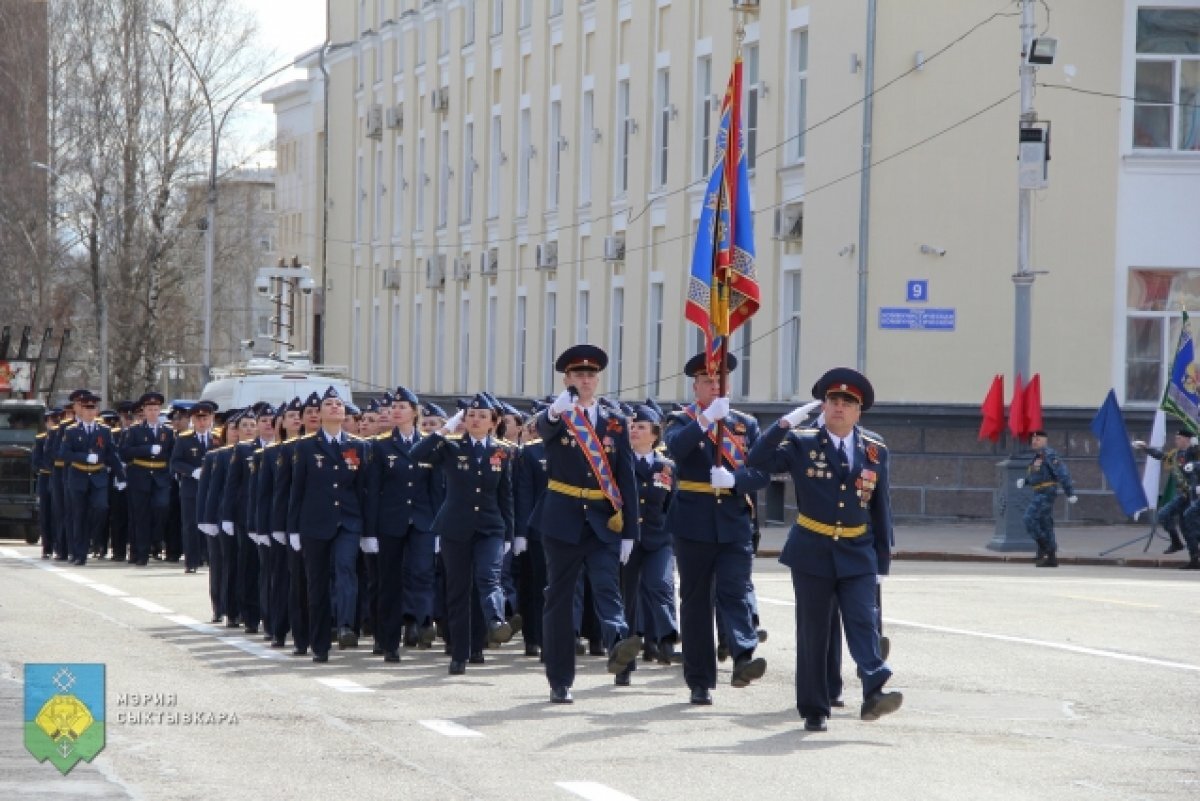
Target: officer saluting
[
  {"x": 325, "y": 522},
  {"x": 588, "y": 517},
  {"x": 88, "y": 454},
  {"x": 840, "y": 546},
  {"x": 146, "y": 449}
]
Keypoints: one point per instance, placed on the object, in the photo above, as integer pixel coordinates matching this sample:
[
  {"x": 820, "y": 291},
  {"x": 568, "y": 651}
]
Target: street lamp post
[{"x": 215, "y": 127}]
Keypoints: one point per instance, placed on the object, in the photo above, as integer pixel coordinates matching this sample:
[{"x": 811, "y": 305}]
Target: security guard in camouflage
[
  {"x": 1043, "y": 475},
  {"x": 1170, "y": 514}
]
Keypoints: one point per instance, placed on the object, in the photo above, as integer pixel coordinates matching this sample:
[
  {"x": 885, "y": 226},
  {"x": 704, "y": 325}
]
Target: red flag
[
  {"x": 1033, "y": 404},
  {"x": 993, "y": 411},
  {"x": 1017, "y": 422}
]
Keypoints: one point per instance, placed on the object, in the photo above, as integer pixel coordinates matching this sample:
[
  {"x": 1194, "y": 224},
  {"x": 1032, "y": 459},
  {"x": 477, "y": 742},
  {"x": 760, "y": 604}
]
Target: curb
[{"x": 1013, "y": 558}]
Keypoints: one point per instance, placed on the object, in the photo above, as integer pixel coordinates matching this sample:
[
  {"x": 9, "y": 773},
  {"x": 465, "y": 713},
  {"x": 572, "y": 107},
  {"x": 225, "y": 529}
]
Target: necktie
[
  {"x": 843, "y": 457},
  {"x": 478, "y": 451}
]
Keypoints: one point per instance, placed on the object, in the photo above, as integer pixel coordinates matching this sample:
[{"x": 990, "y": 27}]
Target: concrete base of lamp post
[{"x": 1010, "y": 506}]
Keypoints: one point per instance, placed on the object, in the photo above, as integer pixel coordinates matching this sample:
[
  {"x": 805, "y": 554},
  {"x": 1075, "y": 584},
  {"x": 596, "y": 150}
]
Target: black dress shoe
[
  {"x": 347, "y": 638},
  {"x": 499, "y": 632},
  {"x": 815, "y": 723},
  {"x": 762, "y": 634},
  {"x": 298, "y": 651},
  {"x": 722, "y": 652},
  {"x": 837, "y": 703},
  {"x": 250, "y": 629},
  {"x": 1174, "y": 547},
  {"x": 268, "y": 636},
  {"x": 118, "y": 558},
  {"x": 561, "y": 695},
  {"x": 377, "y": 650},
  {"x": 532, "y": 650},
  {"x": 476, "y": 658},
  {"x": 650, "y": 651},
  {"x": 595, "y": 648},
  {"x": 277, "y": 643},
  {"x": 216, "y": 618},
  {"x": 141, "y": 563},
  {"x": 185, "y": 570},
  {"x": 457, "y": 667},
  {"x": 666, "y": 653},
  {"x": 391, "y": 656},
  {"x": 580, "y": 646},
  {"x": 623, "y": 653},
  {"x": 320, "y": 657},
  {"x": 410, "y": 636},
  {"x": 701, "y": 696},
  {"x": 60, "y": 559},
  {"x": 233, "y": 623},
  {"x": 426, "y": 636},
  {"x": 622, "y": 679},
  {"x": 747, "y": 669},
  {"x": 880, "y": 704}
]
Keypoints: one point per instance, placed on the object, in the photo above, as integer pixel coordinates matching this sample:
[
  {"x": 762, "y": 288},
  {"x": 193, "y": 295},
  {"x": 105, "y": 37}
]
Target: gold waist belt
[
  {"x": 702, "y": 488},
  {"x": 830, "y": 531},
  {"x": 87, "y": 468},
  {"x": 564, "y": 488},
  {"x": 150, "y": 465}
]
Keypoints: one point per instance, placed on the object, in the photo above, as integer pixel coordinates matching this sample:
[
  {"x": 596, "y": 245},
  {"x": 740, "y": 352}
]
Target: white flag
[{"x": 1153, "y": 470}]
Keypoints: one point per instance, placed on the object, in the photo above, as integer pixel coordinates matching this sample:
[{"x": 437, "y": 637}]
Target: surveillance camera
[
  {"x": 307, "y": 285},
  {"x": 247, "y": 343},
  {"x": 262, "y": 285}
]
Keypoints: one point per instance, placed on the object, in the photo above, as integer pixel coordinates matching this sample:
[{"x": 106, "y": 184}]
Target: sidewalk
[{"x": 967, "y": 542}]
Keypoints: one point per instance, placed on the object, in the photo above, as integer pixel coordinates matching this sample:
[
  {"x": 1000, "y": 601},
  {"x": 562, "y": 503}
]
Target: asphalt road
[{"x": 1080, "y": 683}]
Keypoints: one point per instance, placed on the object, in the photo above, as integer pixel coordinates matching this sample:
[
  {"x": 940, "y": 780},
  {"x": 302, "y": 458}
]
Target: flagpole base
[{"x": 1010, "y": 503}]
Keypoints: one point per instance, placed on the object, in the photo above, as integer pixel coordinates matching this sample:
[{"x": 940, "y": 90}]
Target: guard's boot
[
  {"x": 1050, "y": 560},
  {"x": 1041, "y": 553},
  {"x": 1193, "y": 563},
  {"x": 1176, "y": 542}
]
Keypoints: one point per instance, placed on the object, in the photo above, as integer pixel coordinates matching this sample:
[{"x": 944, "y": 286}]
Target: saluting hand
[
  {"x": 562, "y": 404},
  {"x": 798, "y": 415}
]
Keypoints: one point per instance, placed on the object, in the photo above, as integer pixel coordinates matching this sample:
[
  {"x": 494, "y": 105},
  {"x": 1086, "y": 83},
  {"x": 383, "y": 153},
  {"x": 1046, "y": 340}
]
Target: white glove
[
  {"x": 93, "y": 459},
  {"x": 507, "y": 547},
  {"x": 155, "y": 449},
  {"x": 196, "y": 474},
  {"x": 227, "y": 526},
  {"x": 1139, "y": 444},
  {"x": 878, "y": 578},
  {"x": 798, "y": 415},
  {"x": 120, "y": 485},
  {"x": 253, "y": 537},
  {"x": 1020, "y": 483},
  {"x": 369, "y": 544},
  {"x": 626, "y": 550},
  {"x": 520, "y": 545},
  {"x": 294, "y": 539},
  {"x": 717, "y": 410},
  {"x": 454, "y": 422},
  {"x": 437, "y": 544},
  {"x": 1189, "y": 467},
  {"x": 279, "y": 537},
  {"x": 721, "y": 478},
  {"x": 562, "y": 404},
  {"x": 207, "y": 528},
  {"x": 1072, "y": 499}
]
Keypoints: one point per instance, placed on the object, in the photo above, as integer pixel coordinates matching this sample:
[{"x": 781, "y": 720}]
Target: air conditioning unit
[
  {"x": 614, "y": 247},
  {"x": 435, "y": 272},
  {"x": 394, "y": 118},
  {"x": 462, "y": 267},
  {"x": 745, "y": 5},
  {"x": 547, "y": 256},
  {"x": 391, "y": 278},
  {"x": 789, "y": 222},
  {"x": 375, "y": 122},
  {"x": 439, "y": 101},
  {"x": 489, "y": 262}
]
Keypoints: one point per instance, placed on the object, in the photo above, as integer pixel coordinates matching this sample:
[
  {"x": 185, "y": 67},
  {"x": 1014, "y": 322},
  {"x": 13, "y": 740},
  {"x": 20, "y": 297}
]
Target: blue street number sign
[
  {"x": 901, "y": 318},
  {"x": 918, "y": 291}
]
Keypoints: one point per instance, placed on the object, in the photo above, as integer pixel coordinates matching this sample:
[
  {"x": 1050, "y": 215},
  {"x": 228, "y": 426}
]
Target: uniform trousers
[
  {"x": 1039, "y": 520},
  {"x": 297, "y": 601},
  {"x": 279, "y": 586},
  {"x": 531, "y": 590},
  {"x": 192, "y": 537},
  {"x": 650, "y": 575},
  {"x": 325, "y": 561},
  {"x": 216, "y": 574},
  {"x": 417, "y": 576},
  {"x": 89, "y": 510},
  {"x": 817, "y": 600},
  {"x": 231, "y": 595},
  {"x": 565, "y": 562},
  {"x": 46, "y": 513},
  {"x": 147, "y": 515},
  {"x": 471, "y": 563},
  {"x": 713, "y": 575}
]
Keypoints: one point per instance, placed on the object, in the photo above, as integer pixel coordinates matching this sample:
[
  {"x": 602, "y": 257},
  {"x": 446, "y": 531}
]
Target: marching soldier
[
  {"x": 226, "y": 567},
  {"x": 1043, "y": 475},
  {"x": 298, "y": 622},
  {"x": 325, "y": 522},
  {"x": 42, "y": 462},
  {"x": 711, "y": 522},
  {"x": 58, "y": 495},
  {"x": 235, "y": 516},
  {"x": 187, "y": 460},
  {"x": 1170, "y": 515},
  {"x": 588, "y": 517},
  {"x": 273, "y": 466},
  {"x": 529, "y": 485},
  {"x": 118, "y": 500},
  {"x": 146, "y": 449},
  {"x": 839, "y": 548},
  {"x": 88, "y": 454}
]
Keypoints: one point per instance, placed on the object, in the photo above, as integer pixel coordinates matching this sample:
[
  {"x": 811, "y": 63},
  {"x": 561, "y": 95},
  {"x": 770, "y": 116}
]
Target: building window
[
  {"x": 464, "y": 344},
  {"x": 1154, "y": 300},
  {"x": 494, "y": 162},
  {"x": 526, "y": 13},
  {"x": 394, "y": 326},
  {"x": 417, "y": 345},
  {"x": 624, "y": 122},
  {"x": 798, "y": 95},
  {"x": 469, "y": 15},
  {"x": 790, "y": 387},
  {"x": 739, "y": 345},
  {"x": 525, "y": 154},
  {"x": 705, "y": 114},
  {"x": 497, "y": 17},
  {"x": 655, "y": 351},
  {"x": 468, "y": 169},
  {"x": 443, "y": 177},
  {"x": 581, "y": 315},
  {"x": 587, "y": 141},
  {"x": 489, "y": 364},
  {"x": 422, "y": 178},
  {"x": 616, "y": 339},
  {"x": 520, "y": 350},
  {"x": 556, "y": 8},
  {"x": 663, "y": 134},
  {"x": 549, "y": 343},
  {"x": 1167, "y": 81},
  {"x": 553, "y": 153},
  {"x": 398, "y": 191},
  {"x": 750, "y": 109},
  {"x": 355, "y": 346},
  {"x": 380, "y": 189},
  {"x": 439, "y": 339},
  {"x": 420, "y": 32},
  {"x": 398, "y": 53},
  {"x": 443, "y": 33},
  {"x": 376, "y": 331}
]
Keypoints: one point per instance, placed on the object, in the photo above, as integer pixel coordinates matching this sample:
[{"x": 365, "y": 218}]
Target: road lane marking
[
  {"x": 251, "y": 647},
  {"x": 1109, "y": 601},
  {"x": 75, "y": 577},
  {"x": 192, "y": 623},
  {"x": 149, "y": 606},
  {"x": 449, "y": 728},
  {"x": 1075, "y": 649},
  {"x": 594, "y": 791},
  {"x": 12, "y": 553},
  {"x": 345, "y": 685},
  {"x": 107, "y": 590}
]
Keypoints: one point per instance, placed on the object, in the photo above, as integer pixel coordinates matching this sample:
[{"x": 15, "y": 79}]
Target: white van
[{"x": 274, "y": 381}]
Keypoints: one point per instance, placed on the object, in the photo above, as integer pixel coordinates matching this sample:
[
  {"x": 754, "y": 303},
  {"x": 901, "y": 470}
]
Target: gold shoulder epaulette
[
  {"x": 807, "y": 432},
  {"x": 39, "y": 436},
  {"x": 188, "y": 433},
  {"x": 874, "y": 441},
  {"x": 532, "y": 441}
]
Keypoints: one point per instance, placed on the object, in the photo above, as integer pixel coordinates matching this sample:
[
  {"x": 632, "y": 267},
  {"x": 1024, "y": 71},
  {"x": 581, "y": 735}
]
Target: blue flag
[
  {"x": 1116, "y": 457},
  {"x": 1182, "y": 395}
]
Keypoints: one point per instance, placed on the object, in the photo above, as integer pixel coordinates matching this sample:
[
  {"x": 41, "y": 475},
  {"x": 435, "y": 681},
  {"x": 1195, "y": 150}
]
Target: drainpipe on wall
[{"x": 864, "y": 207}]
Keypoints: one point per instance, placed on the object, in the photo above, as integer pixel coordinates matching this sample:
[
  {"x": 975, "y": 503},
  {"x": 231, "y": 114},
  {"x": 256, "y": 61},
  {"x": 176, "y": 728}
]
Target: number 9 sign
[{"x": 918, "y": 291}]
